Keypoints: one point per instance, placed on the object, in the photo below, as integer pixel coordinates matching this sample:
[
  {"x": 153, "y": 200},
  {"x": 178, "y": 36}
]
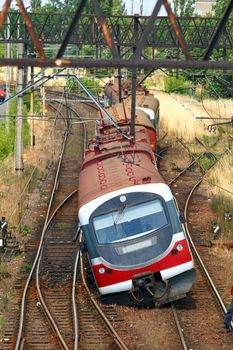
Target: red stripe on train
[{"x": 116, "y": 276}]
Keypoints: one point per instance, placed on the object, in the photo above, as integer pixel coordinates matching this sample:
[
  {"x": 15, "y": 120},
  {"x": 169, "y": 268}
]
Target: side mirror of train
[
  {"x": 182, "y": 218},
  {"x": 83, "y": 247}
]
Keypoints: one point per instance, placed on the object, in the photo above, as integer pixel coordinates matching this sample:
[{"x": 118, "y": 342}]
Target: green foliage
[
  {"x": 206, "y": 161},
  {"x": 91, "y": 84},
  {"x": 13, "y": 113},
  {"x": 27, "y": 267},
  {"x": 107, "y": 6},
  {"x": 2, "y": 50},
  {"x": 179, "y": 85},
  {"x": 206, "y": 139},
  {"x": 230, "y": 143},
  {"x": 184, "y": 7},
  {"x": 2, "y": 321},
  {"x": 26, "y": 101},
  {"x": 220, "y": 203},
  {"x": 214, "y": 84},
  {"x": 219, "y": 86},
  {"x": 7, "y": 140},
  {"x": 219, "y": 7},
  {"x": 25, "y": 230},
  {"x": 35, "y": 4}
]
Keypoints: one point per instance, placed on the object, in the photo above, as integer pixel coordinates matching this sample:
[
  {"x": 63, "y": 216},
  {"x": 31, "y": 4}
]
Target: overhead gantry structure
[
  {"x": 127, "y": 41},
  {"x": 124, "y": 38}
]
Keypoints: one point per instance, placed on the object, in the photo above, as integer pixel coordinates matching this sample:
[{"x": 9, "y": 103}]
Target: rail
[
  {"x": 46, "y": 223},
  {"x": 115, "y": 335}
]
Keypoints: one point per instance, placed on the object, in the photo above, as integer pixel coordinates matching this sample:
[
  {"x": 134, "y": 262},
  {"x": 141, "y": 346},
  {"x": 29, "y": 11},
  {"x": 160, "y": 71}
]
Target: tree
[
  {"x": 69, "y": 6},
  {"x": 184, "y": 7},
  {"x": 35, "y": 4},
  {"x": 220, "y": 6}
]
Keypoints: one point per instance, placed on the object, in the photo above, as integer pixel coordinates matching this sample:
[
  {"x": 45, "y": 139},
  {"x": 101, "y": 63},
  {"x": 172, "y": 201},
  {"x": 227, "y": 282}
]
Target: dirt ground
[{"x": 37, "y": 161}]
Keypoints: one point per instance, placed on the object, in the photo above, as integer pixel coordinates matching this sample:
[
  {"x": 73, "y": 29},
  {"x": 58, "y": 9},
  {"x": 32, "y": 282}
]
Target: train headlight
[
  {"x": 101, "y": 270},
  {"x": 179, "y": 247}
]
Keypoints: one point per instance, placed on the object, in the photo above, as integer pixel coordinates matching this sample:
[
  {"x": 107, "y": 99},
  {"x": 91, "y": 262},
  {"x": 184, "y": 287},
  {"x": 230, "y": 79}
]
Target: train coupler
[{"x": 143, "y": 281}]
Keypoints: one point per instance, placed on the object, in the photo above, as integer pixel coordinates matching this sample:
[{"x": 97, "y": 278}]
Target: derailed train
[{"x": 135, "y": 241}]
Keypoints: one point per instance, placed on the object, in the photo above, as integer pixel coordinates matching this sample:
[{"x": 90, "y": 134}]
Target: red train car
[{"x": 135, "y": 241}]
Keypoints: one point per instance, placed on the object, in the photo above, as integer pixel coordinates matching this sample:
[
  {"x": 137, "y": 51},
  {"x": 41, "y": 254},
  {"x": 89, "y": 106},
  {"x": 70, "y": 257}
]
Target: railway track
[
  {"x": 199, "y": 317},
  {"x": 53, "y": 314},
  {"x": 71, "y": 96},
  {"x": 53, "y": 265},
  {"x": 77, "y": 319}
]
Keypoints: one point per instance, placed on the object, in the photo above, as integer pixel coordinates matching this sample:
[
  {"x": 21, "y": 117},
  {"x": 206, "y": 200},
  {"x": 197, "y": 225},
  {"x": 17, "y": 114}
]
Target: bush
[
  {"x": 179, "y": 85},
  {"x": 7, "y": 140}
]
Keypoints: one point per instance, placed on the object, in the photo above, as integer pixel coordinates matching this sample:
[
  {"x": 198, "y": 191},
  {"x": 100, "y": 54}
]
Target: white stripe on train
[
  {"x": 87, "y": 209},
  {"x": 127, "y": 285}
]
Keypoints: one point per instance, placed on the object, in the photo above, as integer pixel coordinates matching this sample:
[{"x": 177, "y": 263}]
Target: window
[{"x": 130, "y": 222}]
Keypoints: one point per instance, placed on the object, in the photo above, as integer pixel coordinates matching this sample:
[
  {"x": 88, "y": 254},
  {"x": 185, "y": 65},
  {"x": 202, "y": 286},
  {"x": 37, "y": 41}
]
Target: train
[
  {"x": 132, "y": 231},
  {"x": 2, "y": 91}
]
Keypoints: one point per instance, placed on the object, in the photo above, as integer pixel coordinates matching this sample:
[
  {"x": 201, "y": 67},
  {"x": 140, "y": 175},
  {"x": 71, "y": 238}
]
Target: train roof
[
  {"x": 117, "y": 165},
  {"x": 122, "y": 113},
  {"x": 115, "y": 173},
  {"x": 143, "y": 97}
]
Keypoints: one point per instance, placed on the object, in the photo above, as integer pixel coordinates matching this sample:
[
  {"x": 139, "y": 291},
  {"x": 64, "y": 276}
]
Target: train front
[{"x": 135, "y": 241}]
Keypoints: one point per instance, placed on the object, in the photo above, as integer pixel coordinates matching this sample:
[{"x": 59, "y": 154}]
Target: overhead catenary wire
[
  {"x": 89, "y": 93},
  {"x": 220, "y": 187}
]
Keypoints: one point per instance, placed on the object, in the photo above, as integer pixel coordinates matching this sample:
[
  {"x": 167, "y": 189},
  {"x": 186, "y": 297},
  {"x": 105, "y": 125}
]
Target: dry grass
[
  {"x": 225, "y": 258},
  {"x": 178, "y": 114},
  {"x": 221, "y": 175},
  {"x": 177, "y": 118},
  {"x": 12, "y": 183},
  {"x": 221, "y": 191},
  {"x": 222, "y": 108}
]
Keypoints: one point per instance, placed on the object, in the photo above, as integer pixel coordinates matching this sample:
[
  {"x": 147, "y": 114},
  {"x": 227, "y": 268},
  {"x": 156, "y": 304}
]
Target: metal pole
[
  {"x": 43, "y": 104},
  {"x": 119, "y": 69},
  {"x": 133, "y": 101},
  {"x": 32, "y": 110},
  {"x": 19, "y": 118},
  {"x": 134, "y": 81},
  {"x": 8, "y": 55}
]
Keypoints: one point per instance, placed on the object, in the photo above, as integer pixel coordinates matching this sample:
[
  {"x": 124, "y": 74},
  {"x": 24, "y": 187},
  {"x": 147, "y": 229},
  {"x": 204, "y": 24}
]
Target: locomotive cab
[{"x": 135, "y": 242}]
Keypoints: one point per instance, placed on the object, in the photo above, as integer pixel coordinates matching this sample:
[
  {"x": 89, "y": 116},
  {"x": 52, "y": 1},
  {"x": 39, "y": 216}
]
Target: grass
[
  {"x": 4, "y": 273},
  {"x": 221, "y": 182},
  {"x": 178, "y": 117},
  {"x": 221, "y": 204},
  {"x": 26, "y": 267},
  {"x": 62, "y": 225},
  {"x": 25, "y": 230},
  {"x": 172, "y": 84},
  {"x": 2, "y": 321},
  {"x": 206, "y": 161}
]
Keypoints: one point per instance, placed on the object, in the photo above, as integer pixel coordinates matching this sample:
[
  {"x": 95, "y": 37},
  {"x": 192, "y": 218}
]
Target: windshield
[{"x": 130, "y": 222}]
